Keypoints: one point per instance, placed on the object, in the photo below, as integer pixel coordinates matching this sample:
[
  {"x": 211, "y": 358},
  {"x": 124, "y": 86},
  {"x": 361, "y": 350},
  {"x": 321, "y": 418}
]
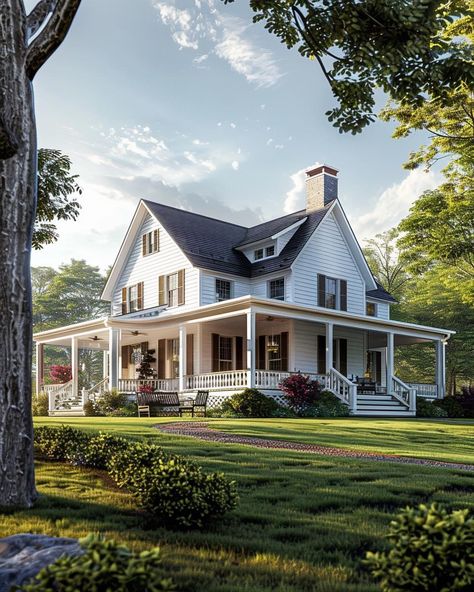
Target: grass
[{"x": 303, "y": 522}]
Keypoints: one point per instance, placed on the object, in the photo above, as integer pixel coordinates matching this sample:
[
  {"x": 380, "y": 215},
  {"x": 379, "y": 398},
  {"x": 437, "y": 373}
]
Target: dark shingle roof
[
  {"x": 380, "y": 293},
  {"x": 211, "y": 244}
]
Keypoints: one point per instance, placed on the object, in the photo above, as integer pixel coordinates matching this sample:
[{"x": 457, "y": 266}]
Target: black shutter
[
  {"x": 261, "y": 358},
  {"x": 321, "y": 290},
  {"x": 284, "y": 351},
  {"x": 321, "y": 354},
  {"x": 125, "y": 355},
  {"x": 343, "y": 294},
  {"x": 161, "y": 358},
  {"x": 343, "y": 356},
  {"x": 239, "y": 353},
  {"x": 378, "y": 367},
  {"x": 190, "y": 354},
  {"x": 215, "y": 352}
]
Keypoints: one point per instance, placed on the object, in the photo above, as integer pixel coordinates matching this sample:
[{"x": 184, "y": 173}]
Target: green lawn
[{"x": 303, "y": 523}]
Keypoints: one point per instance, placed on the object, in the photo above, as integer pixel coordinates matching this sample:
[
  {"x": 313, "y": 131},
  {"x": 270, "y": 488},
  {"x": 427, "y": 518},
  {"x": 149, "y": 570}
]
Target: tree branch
[
  {"x": 38, "y": 15},
  {"x": 51, "y": 37}
]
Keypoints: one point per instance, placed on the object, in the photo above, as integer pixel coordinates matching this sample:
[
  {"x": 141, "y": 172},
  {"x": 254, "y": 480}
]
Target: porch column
[
  {"x": 105, "y": 363},
  {"x": 389, "y": 361},
  {"x": 251, "y": 330},
  {"x": 182, "y": 358},
  {"x": 39, "y": 367},
  {"x": 440, "y": 369},
  {"x": 75, "y": 367},
  {"x": 114, "y": 352},
  {"x": 329, "y": 347}
]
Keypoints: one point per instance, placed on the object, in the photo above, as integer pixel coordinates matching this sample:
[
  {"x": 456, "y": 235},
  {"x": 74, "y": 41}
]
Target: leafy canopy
[
  {"x": 56, "y": 186},
  {"x": 405, "y": 48}
]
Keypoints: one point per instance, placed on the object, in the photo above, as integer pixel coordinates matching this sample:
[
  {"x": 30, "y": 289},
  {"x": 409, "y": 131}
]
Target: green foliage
[
  {"x": 56, "y": 185},
  {"x": 40, "y": 405},
  {"x": 403, "y": 48},
  {"x": 249, "y": 403},
  {"x": 175, "y": 491},
  {"x": 452, "y": 405},
  {"x": 426, "y": 408},
  {"x": 111, "y": 401},
  {"x": 327, "y": 405},
  {"x": 91, "y": 409},
  {"x": 431, "y": 550},
  {"x": 104, "y": 566}
]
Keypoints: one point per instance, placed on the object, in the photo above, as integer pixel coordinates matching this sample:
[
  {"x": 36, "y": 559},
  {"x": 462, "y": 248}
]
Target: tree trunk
[{"x": 17, "y": 214}]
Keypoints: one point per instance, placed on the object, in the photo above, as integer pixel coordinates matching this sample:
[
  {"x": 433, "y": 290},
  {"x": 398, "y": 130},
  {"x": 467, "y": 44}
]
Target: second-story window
[
  {"x": 371, "y": 309},
  {"x": 132, "y": 298},
  {"x": 258, "y": 254},
  {"x": 223, "y": 290},
  {"x": 332, "y": 292},
  {"x": 276, "y": 289},
  {"x": 171, "y": 291},
  {"x": 270, "y": 251},
  {"x": 150, "y": 242}
]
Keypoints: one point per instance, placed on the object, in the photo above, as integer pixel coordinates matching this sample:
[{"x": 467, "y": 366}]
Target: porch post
[
  {"x": 105, "y": 363},
  {"x": 75, "y": 367},
  {"x": 114, "y": 351},
  {"x": 329, "y": 347},
  {"x": 39, "y": 367},
  {"x": 251, "y": 326},
  {"x": 440, "y": 369},
  {"x": 182, "y": 358},
  {"x": 389, "y": 361}
]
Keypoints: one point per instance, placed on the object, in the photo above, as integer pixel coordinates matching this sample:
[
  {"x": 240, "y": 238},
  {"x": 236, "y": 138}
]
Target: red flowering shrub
[
  {"x": 301, "y": 392},
  {"x": 145, "y": 389},
  {"x": 60, "y": 374}
]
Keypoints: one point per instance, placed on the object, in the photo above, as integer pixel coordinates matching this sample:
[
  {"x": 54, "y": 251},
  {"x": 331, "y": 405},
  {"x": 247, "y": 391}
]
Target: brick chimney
[{"x": 321, "y": 186}]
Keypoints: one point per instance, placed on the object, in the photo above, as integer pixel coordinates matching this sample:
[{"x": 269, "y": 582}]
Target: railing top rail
[
  {"x": 56, "y": 387},
  {"x": 401, "y": 383},
  {"x": 99, "y": 384},
  {"x": 340, "y": 376}
]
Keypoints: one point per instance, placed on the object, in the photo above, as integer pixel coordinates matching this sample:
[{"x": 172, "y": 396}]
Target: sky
[{"x": 188, "y": 103}]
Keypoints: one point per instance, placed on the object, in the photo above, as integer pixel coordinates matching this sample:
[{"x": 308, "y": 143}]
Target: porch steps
[{"x": 381, "y": 405}]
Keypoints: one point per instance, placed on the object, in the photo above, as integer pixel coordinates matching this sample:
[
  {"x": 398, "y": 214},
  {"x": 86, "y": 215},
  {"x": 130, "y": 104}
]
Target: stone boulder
[{"x": 22, "y": 556}]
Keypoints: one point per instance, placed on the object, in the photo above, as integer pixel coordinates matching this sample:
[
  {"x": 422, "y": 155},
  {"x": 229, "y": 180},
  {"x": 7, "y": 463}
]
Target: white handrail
[
  {"x": 430, "y": 391},
  {"x": 343, "y": 388},
  {"x": 58, "y": 393},
  {"x": 404, "y": 393},
  {"x": 97, "y": 390}
]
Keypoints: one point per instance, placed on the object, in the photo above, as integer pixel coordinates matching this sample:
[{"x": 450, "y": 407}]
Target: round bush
[
  {"x": 40, "y": 405},
  {"x": 250, "y": 403},
  {"x": 431, "y": 550},
  {"x": 104, "y": 566},
  {"x": 60, "y": 443},
  {"x": 327, "y": 405},
  {"x": 426, "y": 408},
  {"x": 99, "y": 451},
  {"x": 451, "y": 405},
  {"x": 300, "y": 391}
]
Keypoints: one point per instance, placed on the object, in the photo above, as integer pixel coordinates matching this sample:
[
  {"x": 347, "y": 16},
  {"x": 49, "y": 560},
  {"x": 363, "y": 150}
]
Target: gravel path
[{"x": 202, "y": 431}]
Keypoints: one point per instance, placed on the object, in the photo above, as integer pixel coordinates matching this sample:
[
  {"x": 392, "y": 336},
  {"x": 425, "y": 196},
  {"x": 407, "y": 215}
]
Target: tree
[
  {"x": 55, "y": 186},
  {"x": 407, "y": 49},
  {"x": 383, "y": 258},
  {"x": 26, "y": 43}
]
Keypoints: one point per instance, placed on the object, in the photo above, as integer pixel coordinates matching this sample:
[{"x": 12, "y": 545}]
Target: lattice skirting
[{"x": 216, "y": 398}]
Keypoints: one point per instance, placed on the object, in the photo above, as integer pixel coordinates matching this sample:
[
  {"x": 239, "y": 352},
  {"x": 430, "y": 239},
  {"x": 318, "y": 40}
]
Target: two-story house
[{"x": 226, "y": 306}]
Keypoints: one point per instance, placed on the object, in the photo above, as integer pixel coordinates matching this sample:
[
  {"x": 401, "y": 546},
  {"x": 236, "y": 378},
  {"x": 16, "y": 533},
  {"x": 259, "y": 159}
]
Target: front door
[{"x": 374, "y": 366}]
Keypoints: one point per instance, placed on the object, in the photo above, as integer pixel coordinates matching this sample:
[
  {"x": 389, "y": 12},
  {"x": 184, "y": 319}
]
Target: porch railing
[
  {"x": 96, "y": 392},
  {"x": 429, "y": 391},
  {"x": 217, "y": 380},
  {"x": 404, "y": 393},
  {"x": 271, "y": 379},
  {"x": 343, "y": 388},
  {"x": 59, "y": 395},
  {"x": 131, "y": 385}
]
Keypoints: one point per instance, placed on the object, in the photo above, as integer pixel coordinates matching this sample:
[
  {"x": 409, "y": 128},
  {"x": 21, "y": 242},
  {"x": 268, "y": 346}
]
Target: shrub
[
  {"x": 99, "y": 451},
  {"x": 40, "y": 405},
  {"x": 300, "y": 391},
  {"x": 91, "y": 409},
  {"x": 103, "y": 566},
  {"x": 431, "y": 550},
  {"x": 128, "y": 410},
  {"x": 466, "y": 398},
  {"x": 327, "y": 405},
  {"x": 60, "y": 443},
  {"x": 112, "y": 400},
  {"x": 128, "y": 467},
  {"x": 60, "y": 374},
  {"x": 249, "y": 403},
  {"x": 451, "y": 405},
  {"x": 426, "y": 408}
]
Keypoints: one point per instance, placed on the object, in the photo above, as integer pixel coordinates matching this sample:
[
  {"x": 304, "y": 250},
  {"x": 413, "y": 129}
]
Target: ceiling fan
[
  {"x": 95, "y": 338},
  {"x": 136, "y": 332}
]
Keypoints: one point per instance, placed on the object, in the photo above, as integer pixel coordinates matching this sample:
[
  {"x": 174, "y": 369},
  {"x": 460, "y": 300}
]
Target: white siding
[
  {"x": 327, "y": 252},
  {"x": 305, "y": 347},
  {"x": 147, "y": 269},
  {"x": 284, "y": 239},
  {"x": 241, "y": 286}
]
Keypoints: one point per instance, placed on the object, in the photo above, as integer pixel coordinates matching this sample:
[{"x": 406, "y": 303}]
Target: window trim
[
  {"x": 150, "y": 246},
  {"x": 269, "y": 289},
  {"x": 259, "y": 257},
  {"x": 230, "y": 360},
  {"x": 231, "y": 289}
]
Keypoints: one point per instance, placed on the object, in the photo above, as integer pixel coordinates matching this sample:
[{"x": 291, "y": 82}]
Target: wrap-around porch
[{"x": 226, "y": 347}]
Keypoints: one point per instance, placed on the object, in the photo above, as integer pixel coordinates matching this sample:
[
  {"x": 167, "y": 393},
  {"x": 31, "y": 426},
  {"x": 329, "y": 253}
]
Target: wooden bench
[
  {"x": 158, "y": 403},
  {"x": 196, "y": 406}
]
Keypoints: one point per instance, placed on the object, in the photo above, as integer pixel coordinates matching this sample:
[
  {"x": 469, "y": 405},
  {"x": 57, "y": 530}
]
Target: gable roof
[
  {"x": 380, "y": 293},
  {"x": 211, "y": 244}
]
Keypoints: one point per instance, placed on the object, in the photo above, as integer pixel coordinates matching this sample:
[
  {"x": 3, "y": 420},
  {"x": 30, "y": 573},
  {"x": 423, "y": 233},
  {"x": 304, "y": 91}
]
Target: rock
[{"x": 22, "y": 556}]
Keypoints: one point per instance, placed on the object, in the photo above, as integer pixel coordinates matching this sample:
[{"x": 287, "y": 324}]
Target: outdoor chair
[{"x": 198, "y": 405}]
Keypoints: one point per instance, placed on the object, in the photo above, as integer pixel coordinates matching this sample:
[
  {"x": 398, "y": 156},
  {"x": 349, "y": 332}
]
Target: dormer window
[
  {"x": 270, "y": 251},
  {"x": 258, "y": 254},
  {"x": 264, "y": 252}
]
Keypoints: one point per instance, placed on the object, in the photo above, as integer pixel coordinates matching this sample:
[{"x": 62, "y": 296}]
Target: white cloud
[
  {"x": 394, "y": 203},
  {"x": 226, "y": 37},
  {"x": 233, "y": 125},
  {"x": 235, "y": 165},
  {"x": 279, "y": 146},
  {"x": 296, "y": 194}
]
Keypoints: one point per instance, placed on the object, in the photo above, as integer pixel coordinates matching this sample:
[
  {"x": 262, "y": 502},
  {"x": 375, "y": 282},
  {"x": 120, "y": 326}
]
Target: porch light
[
  {"x": 272, "y": 347},
  {"x": 175, "y": 358}
]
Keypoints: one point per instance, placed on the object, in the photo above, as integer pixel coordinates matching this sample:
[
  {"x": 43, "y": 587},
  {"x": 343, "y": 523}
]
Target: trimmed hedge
[
  {"x": 250, "y": 403},
  {"x": 431, "y": 549},
  {"x": 103, "y": 567},
  {"x": 174, "y": 490}
]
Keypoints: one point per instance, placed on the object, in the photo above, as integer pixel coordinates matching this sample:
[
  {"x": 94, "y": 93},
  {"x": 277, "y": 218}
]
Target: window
[
  {"x": 172, "y": 288},
  {"x": 223, "y": 290},
  {"x": 270, "y": 251},
  {"x": 274, "y": 353},
  {"x": 332, "y": 292},
  {"x": 225, "y": 353},
  {"x": 150, "y": 242},
  {"x": 132, "y": 298},
  {"x": 371, "y": 309},
  {"x": 276, "y": 289},
  {"x": 258, "y": 254}
]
